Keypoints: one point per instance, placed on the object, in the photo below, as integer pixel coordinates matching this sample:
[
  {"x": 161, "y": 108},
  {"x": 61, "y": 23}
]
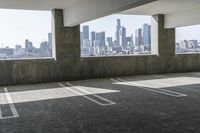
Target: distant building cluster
[
  {"x": 28, "y": 51},
  {"x": 188, "y": 46},
  {"x": 97, "y": 44}
]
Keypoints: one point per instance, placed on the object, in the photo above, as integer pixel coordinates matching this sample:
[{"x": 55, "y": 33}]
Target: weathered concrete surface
[
  {"x": 49, "y": 108},
  {"x": 70, "y": 66}
]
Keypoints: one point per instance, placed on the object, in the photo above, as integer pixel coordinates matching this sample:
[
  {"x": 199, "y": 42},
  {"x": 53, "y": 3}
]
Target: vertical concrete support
[
  {"x": 166, "y": 46},
  {"x": 166, "y": 39},
  {"x": 154, "y": 33},
  {"x": 67, "y": 39}
]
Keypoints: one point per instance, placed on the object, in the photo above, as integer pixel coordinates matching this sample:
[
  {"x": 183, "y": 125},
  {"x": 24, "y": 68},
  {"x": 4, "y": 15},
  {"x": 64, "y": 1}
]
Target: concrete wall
[{"x": 69, "y": 65}]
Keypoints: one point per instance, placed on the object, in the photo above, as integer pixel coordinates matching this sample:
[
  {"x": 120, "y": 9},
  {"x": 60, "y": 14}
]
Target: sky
[
  {"x": 18, "y": 25},
  {"x": 133, "y": 22},
  {"x": 108, "y": 24},
  {"x": 188, "y": 33}
]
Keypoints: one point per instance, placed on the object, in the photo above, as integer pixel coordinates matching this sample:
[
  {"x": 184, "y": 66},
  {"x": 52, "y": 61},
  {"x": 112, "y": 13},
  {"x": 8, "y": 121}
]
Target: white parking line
[
  {"x": 196, "y": 73},
  {"x": 109, "y": 102},
  {"x": 0, "y": 113},
  {"x": 12, "y": 106},
  {"x": 114, "y": 80},
  {"x": 160, "y": 76},
  {"x": 161, "y": 91}
]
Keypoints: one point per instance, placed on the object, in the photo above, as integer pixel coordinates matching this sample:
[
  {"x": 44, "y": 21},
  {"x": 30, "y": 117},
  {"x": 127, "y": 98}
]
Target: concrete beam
[
  {"x": 87, "y": 10},
  {"x": 183, "y": 18}
]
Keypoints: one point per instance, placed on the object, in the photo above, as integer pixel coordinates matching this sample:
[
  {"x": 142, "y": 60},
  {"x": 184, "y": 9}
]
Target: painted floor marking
[
  {"x": 12, "y": 106},
  {"x": 161, "y": 76},
  {"x": 161, "y": 91},
  {"x": 114, "y": 80},
  {"x": 0, "y": 113},
  {"x": 196, "y": 73},
  {"x": 109, "y": 102}
]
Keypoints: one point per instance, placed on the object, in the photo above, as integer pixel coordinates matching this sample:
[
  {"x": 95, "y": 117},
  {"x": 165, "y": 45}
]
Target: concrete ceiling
[
  {"x": 36, "y": 4},
  {"x": 164, "y": 7},
  {"x": 177, "y": 12}
]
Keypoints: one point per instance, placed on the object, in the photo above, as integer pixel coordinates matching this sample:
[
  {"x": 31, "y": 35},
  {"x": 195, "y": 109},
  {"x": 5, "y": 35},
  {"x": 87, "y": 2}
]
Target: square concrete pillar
[
  {"x": 166, "y": 38},
  {"x": 67, "y": 39}
]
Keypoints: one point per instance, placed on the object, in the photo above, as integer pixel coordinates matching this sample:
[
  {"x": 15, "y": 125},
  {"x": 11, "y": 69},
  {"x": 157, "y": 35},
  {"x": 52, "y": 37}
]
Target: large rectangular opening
[
  {"x": 188, "y": 40},
  {"x": 117, "y": 35},
  {"x": 25, "y": 34}
]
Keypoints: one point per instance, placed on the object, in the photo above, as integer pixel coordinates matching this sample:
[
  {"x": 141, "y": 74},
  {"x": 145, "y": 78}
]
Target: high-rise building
[
  {"x": 50, "y": 41},
  {"x": 138, "y": 37},
  {"x": 129, "y": 41},
  {"x": 44, "y": 46},
  {"x": 193, "y": 43},
  {"x": 85, "y": 32},
  {"x": 117, "y": 34},
  {"x": 100, "y": 36},
  {"x": 146, "y": 34},
  {"x": 184, "y": 44},
  {"x": 93, "y": 37},
  {"x": 122, "y": 37},
  {"x": 103, "y": 38},
  {"x": 28, "y": 46},
  {"x": 17, "y": 47},
  {"x": 149, "y": 34},
  {"x": 110, "y": 41}
]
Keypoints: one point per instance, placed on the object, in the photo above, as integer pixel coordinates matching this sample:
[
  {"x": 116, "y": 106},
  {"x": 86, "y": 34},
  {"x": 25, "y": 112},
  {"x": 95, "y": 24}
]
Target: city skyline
[
  {"x": 29, "y": 50},
  {"x": 94, "y": 43},
  {"x": 18, "y": 25},
  {"x": 107, "y": 23}
]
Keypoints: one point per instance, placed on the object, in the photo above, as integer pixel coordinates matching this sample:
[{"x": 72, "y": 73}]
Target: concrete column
[
  {"x": 166, "y": 38},
  {"x": 67, "y": 39}
]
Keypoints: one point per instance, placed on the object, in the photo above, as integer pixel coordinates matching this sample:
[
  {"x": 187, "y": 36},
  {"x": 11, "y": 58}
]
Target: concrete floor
[{"x": 141, "y": 104}]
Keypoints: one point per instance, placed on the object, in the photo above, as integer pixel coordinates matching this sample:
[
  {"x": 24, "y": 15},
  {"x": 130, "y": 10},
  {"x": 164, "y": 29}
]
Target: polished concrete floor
[{"x": 141, "y": 104}]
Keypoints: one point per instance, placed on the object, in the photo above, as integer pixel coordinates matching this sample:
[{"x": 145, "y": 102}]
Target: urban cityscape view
[
  {"x": 28, "y": 50},
  {"x": 25, "y": 34},
  {"x": 188, "y": 46},
  {"x": 100, "y": 44},
  {"x": 188, "y": 39}
]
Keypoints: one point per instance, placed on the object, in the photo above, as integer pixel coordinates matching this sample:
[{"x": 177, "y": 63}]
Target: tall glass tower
[{"x": 117, "y": 36}]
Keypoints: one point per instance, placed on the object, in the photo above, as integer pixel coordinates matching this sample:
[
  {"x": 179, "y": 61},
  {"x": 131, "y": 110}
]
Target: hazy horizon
[
  {"x": 188, "y": 33},
  {"x": 18, "y": 25},
  {"x": 108, "y": 23}
]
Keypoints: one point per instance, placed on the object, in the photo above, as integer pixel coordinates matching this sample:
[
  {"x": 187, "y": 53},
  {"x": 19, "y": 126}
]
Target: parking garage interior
[{"x": 68, "y": 93}]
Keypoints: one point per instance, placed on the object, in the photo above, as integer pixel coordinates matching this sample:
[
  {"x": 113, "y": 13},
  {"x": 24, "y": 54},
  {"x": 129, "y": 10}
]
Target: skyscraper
[
  {"x": 85, "y": 37},
  {"x": 44, "y": 46},
  {"x": 100, "y": 36},
  {"x": 28, "y": 46},
  {"x": 109, "y": 41},
  {"x": 146, "y": 34},
  {"x": 86, "y": 32},
  {"x": 129, "y": 41},
  {"x": 122, "y": 37},
  {"x": 93, "y": 37},
  {"x": 117, "y": 35},
  {"x": 97, "y": 38},
  {"x": 103, "y": 38},
  {"x": 138, "y": 37},
  {"x": 50, "y": 41}
]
